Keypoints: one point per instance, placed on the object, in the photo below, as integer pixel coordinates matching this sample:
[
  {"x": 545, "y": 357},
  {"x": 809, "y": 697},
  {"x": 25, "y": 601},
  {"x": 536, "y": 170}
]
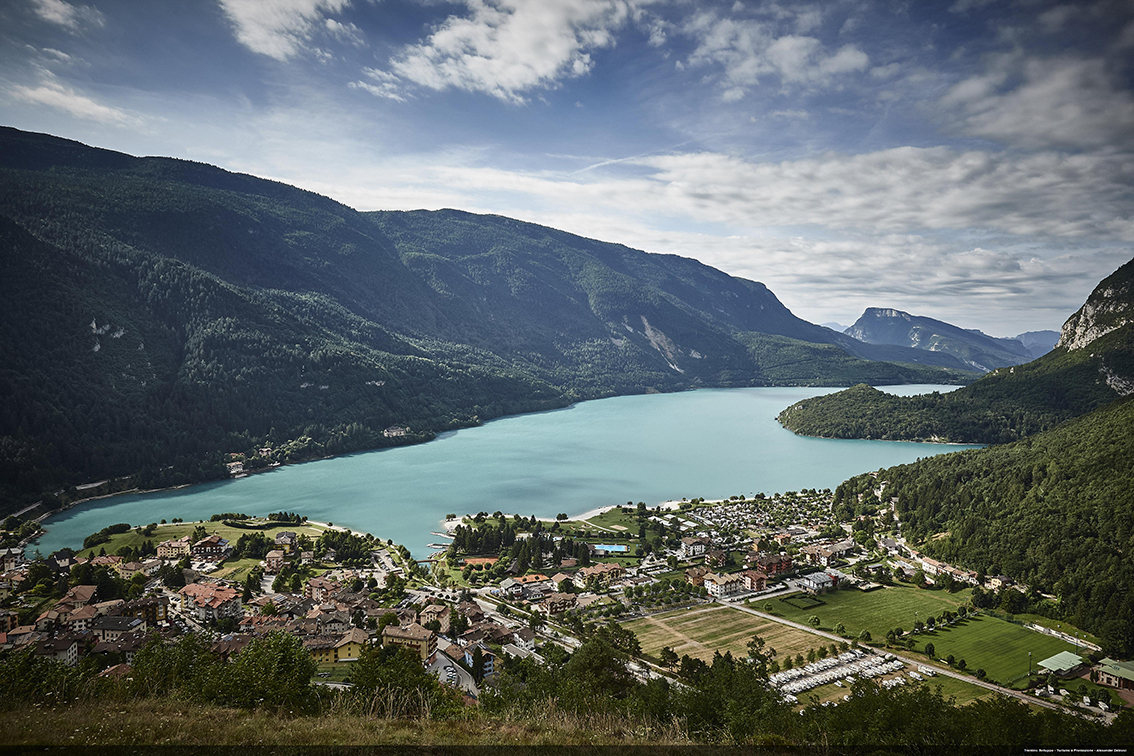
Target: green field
[
  {"x": 135, "y": 539},
  {"x": 236, "y": 570},
  {"x": 702, "y": 630},
  {"x": 984, "y": 642},
  {"x": 999, "y": 647},
  {"x": 878, "y": 611}
]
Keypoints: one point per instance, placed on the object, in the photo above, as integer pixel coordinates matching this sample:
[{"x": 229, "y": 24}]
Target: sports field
[
  {"x": 878, "y": 611},
  {"x": 999, "y": 647},
  {"x": 701, "y": 630}
]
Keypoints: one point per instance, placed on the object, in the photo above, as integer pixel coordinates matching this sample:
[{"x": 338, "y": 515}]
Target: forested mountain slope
[
  {"x": 1093, "y": 364},
  {"x": 880, "y": 325},
  {"x": 160, "y": 312},
  {"x": 1053, "y": 511}
]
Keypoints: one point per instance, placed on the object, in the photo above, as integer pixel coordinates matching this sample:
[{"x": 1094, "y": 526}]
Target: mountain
[
  {"x": 979, "y": 351},
  {"x": 162, "y": 312},
  {"x": 1008, "y": 403},
  {"x": 838, "y": 327},
  {"x": 1039, "y": 343},
  {"x": 1052, "y": 511}
]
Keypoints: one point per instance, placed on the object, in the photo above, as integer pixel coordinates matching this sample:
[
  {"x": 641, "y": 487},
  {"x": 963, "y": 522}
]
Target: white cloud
[
  {"x": 345, "y": 32},
  {"x": 381, "y": 84},
  {"x": 281, "y": 29},
  {"x": 55, "y": 94},
  {"x": 507, "y": 48},
  {"x": 1038, "y": 102},
  {"x": 72, "y": 17},
  {"x": 749, "y": 50}
]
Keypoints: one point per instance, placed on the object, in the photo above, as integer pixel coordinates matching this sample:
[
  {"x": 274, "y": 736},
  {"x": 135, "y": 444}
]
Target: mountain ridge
[
  {"x": 884, "y": 325},
  {"x": 211, "y": 312},
  {"x": 1008, "y": 403}
]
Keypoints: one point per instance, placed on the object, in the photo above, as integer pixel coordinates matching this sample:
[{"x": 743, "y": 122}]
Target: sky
[{"x": 968, "y": 160}]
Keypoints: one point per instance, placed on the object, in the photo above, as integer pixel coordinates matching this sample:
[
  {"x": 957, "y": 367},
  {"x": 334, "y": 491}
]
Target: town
[{"x": 825, "y": 579}]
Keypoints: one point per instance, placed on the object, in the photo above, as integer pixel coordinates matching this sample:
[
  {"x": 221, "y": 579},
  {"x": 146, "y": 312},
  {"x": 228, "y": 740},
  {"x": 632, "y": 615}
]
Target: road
[{"x": 940, "y": 670}]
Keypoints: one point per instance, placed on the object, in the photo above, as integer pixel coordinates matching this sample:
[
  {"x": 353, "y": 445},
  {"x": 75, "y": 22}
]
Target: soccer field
[
  {"x": 702, "y": 630},
  {"x": 999, "y": 647},
  {"x": 878, "y": 611}
]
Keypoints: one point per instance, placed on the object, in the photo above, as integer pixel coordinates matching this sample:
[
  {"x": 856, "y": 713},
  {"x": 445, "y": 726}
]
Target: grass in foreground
[{"x": 144, "y": 723}]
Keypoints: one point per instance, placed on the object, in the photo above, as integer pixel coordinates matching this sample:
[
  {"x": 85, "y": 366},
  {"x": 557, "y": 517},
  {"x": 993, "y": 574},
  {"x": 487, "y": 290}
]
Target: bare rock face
[{"x": 1110, "y": 307}]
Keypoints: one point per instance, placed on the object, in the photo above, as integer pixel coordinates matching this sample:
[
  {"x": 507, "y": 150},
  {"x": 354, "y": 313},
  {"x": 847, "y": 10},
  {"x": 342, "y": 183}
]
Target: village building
[
  {"x": 274, "y": 561},
  {"x": 209, "y": 602},
  {"x": 696, "y": 575},
  {"x": 557, "y": 603},
  {"x": 63, "y": 648},
  {"x": 716, "y": 557},
  {"x": 211, "y": 547},
  {"x": 108, "y": 628},
  {"x": 342, "y": 647},
  {"x": 1063, "y": 664},
  {"x": 769, "y": 563},
  {"x": 692, "y": 547},
  {"x": 817, "y": 582},
  {"x": 78, "y": 596},
  {"x": 1116, "y": 674},
  {"x": 723, "y": 586},
  {"x": 422, "y": 642},
  {"x": 174, "y": 548},
  {"x": 488, "y": 658},
  {"x": 435, "y": 612},
  {"x": 754, "y": 580},
  {"x": 286, "y": 540},
  {"x": 154, "y": 609},
  {"x": 604, "y": 573},
  {"x": 319, "y": 589}
]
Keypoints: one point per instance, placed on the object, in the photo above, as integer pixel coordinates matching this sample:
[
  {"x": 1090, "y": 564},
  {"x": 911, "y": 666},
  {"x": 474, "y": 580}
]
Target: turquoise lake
[{"x": 711, "y": 442}]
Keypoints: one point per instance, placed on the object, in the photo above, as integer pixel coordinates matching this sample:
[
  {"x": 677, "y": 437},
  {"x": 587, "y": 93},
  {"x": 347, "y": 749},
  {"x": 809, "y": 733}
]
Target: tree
[
  {"x": 668, "y": 657},
  {"x": 760, "y": 654},
  {"x": 930, "y": 650},
  {"x": 864, "y": 636},
  {"x": 813, "y": 620},
  {"x": 840, "y": 628},
  {"x": 478, "y": 664},
  {"x": 274, "y": 672}
]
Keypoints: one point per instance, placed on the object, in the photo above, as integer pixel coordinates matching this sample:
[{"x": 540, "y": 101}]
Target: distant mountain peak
[{"x": 887, "y": 325}]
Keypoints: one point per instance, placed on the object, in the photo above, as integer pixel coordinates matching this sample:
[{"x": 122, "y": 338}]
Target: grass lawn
[
  {"x": 701, "y": 630},
  {"x": 878, "y": 611},
  {"x": 999, "y": 647},
  {"x": 236, "y": 570},
  {"x": 176, "y": 530},
  {"x": 338, "y": 672}
]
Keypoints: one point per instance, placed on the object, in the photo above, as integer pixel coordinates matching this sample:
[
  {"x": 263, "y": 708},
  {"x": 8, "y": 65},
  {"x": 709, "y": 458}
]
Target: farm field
[
  {"x": 878, "y": 611},
  {"x": 700, "y": 631}
]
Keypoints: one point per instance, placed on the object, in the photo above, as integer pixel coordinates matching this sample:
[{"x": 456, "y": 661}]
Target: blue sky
[{"x": 971, "y": 161}]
